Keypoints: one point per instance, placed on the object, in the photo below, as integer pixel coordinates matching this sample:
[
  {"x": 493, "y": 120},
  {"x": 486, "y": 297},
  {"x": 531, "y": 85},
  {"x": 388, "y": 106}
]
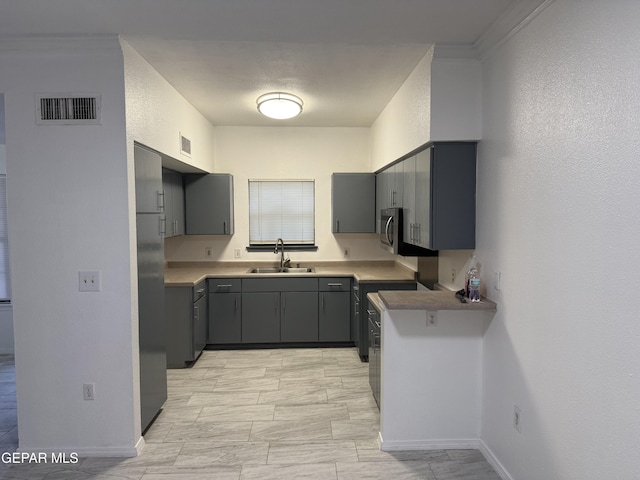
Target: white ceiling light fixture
[{"x": 279, "y": 105}]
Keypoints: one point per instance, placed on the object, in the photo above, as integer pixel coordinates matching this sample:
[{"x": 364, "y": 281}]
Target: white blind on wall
[
  {"x": 281, "y": 209},
  {"x": 5, "y": 282}
]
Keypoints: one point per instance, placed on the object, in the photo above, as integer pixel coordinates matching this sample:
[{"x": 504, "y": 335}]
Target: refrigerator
[{"x": 150, "y": 224}]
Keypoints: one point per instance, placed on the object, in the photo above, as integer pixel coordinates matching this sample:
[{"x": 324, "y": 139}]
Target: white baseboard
[
  {"x": 435, "y": 444},
  {"x": 84, "y": 452},
  {"x": 494, "y": 462}
]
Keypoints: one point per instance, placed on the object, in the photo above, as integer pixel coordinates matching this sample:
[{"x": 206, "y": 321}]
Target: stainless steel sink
[{"x": 282, "y": 270}]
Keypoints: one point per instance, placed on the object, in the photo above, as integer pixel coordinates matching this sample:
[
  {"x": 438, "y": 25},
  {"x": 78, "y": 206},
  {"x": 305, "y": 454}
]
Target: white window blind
[
  {"x": 281, "y": 209},
  {"x": 5, "y": 282}
]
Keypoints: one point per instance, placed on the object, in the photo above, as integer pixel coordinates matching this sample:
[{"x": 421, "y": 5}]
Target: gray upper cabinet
[
  {"x": 442, "y": 217},
  {"x": 148, "y": 175},
  {"x": 389, "y": 189},
  {"x": 353, "y": 203},
  {"x": 209, "y": 204},
  {"x": 174, "y": 202}
]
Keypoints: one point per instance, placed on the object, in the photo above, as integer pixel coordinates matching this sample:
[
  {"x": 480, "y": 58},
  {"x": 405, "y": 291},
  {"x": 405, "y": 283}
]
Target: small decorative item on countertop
[{"x": 472, "y": 281}]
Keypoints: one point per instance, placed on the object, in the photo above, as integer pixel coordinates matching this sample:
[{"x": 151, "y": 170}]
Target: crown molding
[
  {"x": 60, "y": 44},
  {"x": 514, "y": 19}
]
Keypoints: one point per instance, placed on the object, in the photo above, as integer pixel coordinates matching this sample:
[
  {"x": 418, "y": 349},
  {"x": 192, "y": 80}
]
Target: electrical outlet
[
  {"x": 497, "y": 284},
  {"x": 207, "y": 252},
  {"x": 432, "y": 319},
  {"x": 517, "y": 419},
  {"x": 89, "y": 281},
  {"x": 89, "y": 391},
  {"x": 347, "y": 252},
  {"x": 237, "y": 253}
]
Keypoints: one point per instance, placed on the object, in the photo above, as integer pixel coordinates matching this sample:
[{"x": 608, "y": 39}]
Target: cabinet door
[
  {"x": 177, "y": 203},
  {"x": 409, "y": 199},
  {"x": 396, "y": 184},
  {"x": 335, "y": 315},
  {"x": 353, "y": 202},
  {"x": 148, "y": 175},
  {"x": 261, "y": 317},
  {"x": 209, "y": 204},
  {"x": 422, "y": 228},
  {"x": 200, "y": 326},
  {"x": 299, "y": 317},
  {"x": 453, "y": 196},
  {"x": 225, "y": 318}
]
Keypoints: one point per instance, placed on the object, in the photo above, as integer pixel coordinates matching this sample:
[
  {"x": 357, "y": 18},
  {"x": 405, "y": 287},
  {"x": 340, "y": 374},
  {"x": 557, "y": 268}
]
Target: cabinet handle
[
  {"x": 224, "y": 227},
  {"x": 196, "y": 313},
  {"x": 163, "y": 226},
  {"x": 337, "y": 226},
  {"x": 199, "y": 291},
  {"x": 417, "y": 232},
  {"x": 161, "y": 200},
  {"x": 334, "y": 284},
  {"x": 224, "y": 286}
]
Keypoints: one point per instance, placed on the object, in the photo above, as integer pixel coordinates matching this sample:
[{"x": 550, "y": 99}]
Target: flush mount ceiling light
[{"x": 279, "y": 105}]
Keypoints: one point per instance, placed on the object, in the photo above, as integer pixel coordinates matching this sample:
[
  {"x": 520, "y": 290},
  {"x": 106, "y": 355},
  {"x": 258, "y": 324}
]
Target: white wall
[
  {"x": 558, "y": 214},
  {"x": 289, "y": 153},
  {"x": 157, "y": 114},
  {"x": 404, "y": 124},
  {"x": 68, "y": 211}
]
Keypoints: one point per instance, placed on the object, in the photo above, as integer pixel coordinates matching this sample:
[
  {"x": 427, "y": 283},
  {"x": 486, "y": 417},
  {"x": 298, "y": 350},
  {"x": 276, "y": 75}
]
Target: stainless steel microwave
[{"x": 391, "y": 229}]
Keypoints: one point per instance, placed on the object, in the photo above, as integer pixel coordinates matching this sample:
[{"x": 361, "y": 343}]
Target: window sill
[{"x": 287, "y": 248}]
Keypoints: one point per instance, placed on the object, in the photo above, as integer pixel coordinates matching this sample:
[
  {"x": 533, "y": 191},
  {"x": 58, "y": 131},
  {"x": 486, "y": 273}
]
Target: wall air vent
[
  {"x": 185, "y": 146},
  {"x": 68, "y": 109}
]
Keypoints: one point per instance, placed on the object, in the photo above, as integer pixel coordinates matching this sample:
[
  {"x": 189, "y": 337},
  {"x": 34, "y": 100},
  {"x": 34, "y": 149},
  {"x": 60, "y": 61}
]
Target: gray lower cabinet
[
  {"x": 362, "y": 322},
  {"x": 261, "y": 317},
  {"x": 225, "y": 311},
  {"x": 299, "y": 317},
  {"x": 353, "y": 205},
  {"x": 186, "y": 320},
  {"x": 279, "y": 310},
  {"x": 209, "y": 204},
  {"x": 334, "y": 323}
]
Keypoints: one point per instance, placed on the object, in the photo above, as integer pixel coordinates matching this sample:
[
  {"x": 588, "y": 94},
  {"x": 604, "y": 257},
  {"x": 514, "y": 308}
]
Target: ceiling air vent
[
  {"x": 185, "y": 145},
  {"x": 68, "y": 110}
]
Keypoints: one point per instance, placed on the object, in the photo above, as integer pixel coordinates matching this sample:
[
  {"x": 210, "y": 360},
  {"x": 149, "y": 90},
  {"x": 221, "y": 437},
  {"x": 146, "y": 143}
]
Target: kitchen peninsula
[{"x": 431, "y": 365}]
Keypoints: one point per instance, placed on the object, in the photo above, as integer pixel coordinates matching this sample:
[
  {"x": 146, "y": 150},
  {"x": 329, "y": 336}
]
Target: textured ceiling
[{"x": 345, "y": 58}]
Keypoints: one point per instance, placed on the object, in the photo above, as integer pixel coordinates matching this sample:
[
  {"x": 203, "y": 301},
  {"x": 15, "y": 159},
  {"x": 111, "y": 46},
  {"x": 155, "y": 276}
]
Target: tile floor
[{"x": 257, "y": 414}]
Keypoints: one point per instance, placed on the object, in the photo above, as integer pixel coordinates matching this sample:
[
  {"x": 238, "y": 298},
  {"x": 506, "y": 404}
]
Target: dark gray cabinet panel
[
  {"x": 174, "y": 202},
  {"x": 299, "y": 317},
  {"x": 261, "y": 317},
  {"x": 278, "y": 284},
  {"x": 209, "y": 204},
  {"x": 335, "y": 316},
  {"x": 225, "y": 318},
  {"x": 334, "y": 324},
  {"x": 362, "y": 338},
  {"x": 186, "y": 320},
  {"x": 389, "y": 190},
  {"x": 439, "y": 213},
  {"x": 353, "y": 206}
]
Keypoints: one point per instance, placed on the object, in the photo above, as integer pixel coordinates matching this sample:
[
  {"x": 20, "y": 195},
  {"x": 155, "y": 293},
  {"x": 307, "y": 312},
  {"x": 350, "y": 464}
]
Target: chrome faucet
[{"x": 283, "y": 262}]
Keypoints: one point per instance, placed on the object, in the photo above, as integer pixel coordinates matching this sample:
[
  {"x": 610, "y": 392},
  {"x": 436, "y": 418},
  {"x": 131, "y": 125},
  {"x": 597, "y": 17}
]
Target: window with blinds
[
  {"x": 281, "y": 209},
  {"x": 5, "y": 283}
]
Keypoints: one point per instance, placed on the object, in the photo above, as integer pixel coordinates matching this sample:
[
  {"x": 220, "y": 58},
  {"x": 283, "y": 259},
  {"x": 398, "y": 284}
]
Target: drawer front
[
  {"x": 200, "y": 290},
  {"x": 335, "y": 284},
  {"x": 279, "y": 284},
  {"x": 225, "y": 285}
]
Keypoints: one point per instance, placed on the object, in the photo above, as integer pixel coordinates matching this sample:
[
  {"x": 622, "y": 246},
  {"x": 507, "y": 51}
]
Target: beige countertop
[
  {"x": 187, "y": 274},
  {"x": 430, "y": 300}
]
